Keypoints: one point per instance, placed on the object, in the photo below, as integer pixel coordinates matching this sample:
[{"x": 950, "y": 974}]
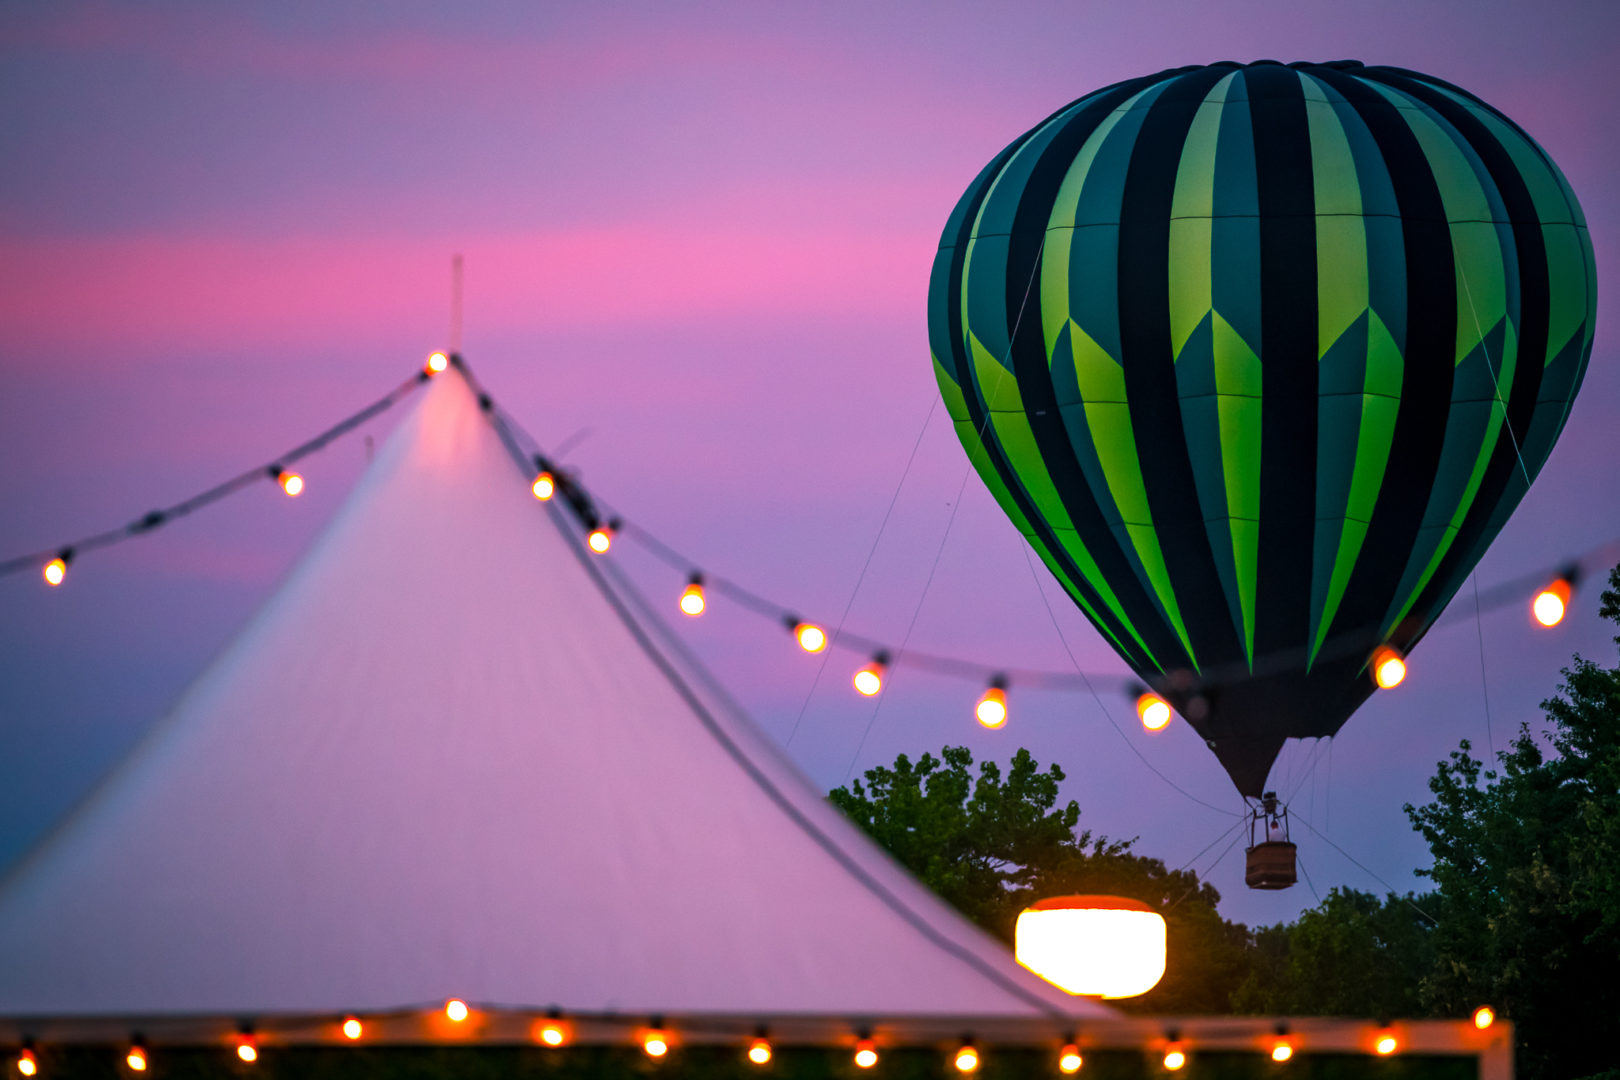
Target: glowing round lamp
[
  {"x": 247, "y": 1052},
  {"x": 437, "y": 363},
  {"x": 1174, "y": 1058},
  {"x": 291, "y": 483},
  {"x": 456, "y": 1010},
  {"x": 991, "y": 711},
  {"x": 1153, "y": 711},
  {"x": 600, "y": 540},
  {"x": 544, "y": 486},
  {"x": 966, "y": 1060},
  {"x": 136, "y": 1059},
  {"x": 692, "y": 602},
  {"x": 1550, "y": 603},
  {"x": 656, "y": 1043},
  {"x": 759, "y": 1052},
  {"x": 551, "y": 1033},
  {"x": 866, "y": 1054},
  {"x": 27, "y": 1064},
  {"x": 1281, "y": 1051},
  {"x": 869, "y": 680},
  {"x": 55, "y": 571},
  {"x": 1386, "y": 1044},
  {"x": 352, "y": 1028},
  {"x": 1069, "y": 1059},
  {"x": 811, "y": 638},
  {"x": 1389, "y": 668},
  {"x": 1101, "y": 946},
  {"x": 1484, "y": 1017}
]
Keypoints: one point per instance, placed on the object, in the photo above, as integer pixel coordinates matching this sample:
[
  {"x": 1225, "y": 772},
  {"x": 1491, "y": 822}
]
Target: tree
[
  {"x": 1525, "y": 859},
  {"x": 991, "y": 846}
]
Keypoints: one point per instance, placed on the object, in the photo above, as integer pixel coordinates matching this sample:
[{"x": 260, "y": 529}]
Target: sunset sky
[{"x": 697, "y": 242}]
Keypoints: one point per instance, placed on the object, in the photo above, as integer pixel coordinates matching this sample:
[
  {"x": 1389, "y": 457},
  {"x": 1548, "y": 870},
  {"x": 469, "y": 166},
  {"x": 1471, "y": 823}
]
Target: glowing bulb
[
  {"x": 1550, "y": 603},
  {"x": 136, "y": 1059},
  {"x": 1282, "y": 1051},
  {"x": 55, "y": 571},
  {"x": 291, "y": 483},
  {"x": 811, "y": 638},
  {"x": 1484, "y": 1017},
  {"x": 992, "y": 708},
  {"x": 1386, "y": 1044},
  {"x": 1174, "y": 1059},
  {"x": 553, "y": 1035},
  {"x": 655, "y": 1044},
  {"x": 759, "y": 1052},
  {"x": 1389, "y": 668},
  {"x": 865, "y": 1054},
  {"x": 1153, "y": 711},
  {"x": 544, "y": 486},
  {"x": 967, "y": 1059},
  {"x": 1069, "y": 1060},
  {"x": 27, "y": 1064},
  {"x": 352, "y": 1028},
  {"x": 869, "y": 680},
  {"x": 246, "y": 1052},
  {"x": 692, "y": 602},
  {"x": 456, "y": 1010},
  {"x": 601, "y": 539},
  {"x": 437, "y": 363}
]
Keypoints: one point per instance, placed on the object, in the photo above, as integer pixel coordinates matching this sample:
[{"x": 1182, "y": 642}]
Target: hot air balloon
[{"x": 1259, "y": 358}]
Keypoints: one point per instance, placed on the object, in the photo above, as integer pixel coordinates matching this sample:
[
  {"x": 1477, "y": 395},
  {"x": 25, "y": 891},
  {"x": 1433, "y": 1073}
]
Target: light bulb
[
  {"x": 544, "y": 486},
  {"x": 1281, "y": 1051},
  {"x": 1484, "y": 1017},
  {"x": 1069, "y": 1060},
  {"x": 811, "y": 638},
  {"x": 866, "y": 1054},
  {"x": 1551, "y": 603},
  {"x": 352, "y": 1028},
  {"x": 869, "y": 680},
  {"x": 759, "y": 1052},
  {"x": 1174, "y": 1059},
  {"x": 992, "y": 708},
  {"x": 27, "y": 1064},
  {"x": 553, "y": 1034},
  {"x": 456, "y": 1010},
  {"x": 692, "y": 601},
  {"x": 967, "y": 1059},
  {"x": 601, "y": 539},
  {"x": 437, "y": 363},
  {"x": 247, "y": 1052},
  {"x": 655, "y": 1043},
  {"x": 136, "y": 1059},
  {"x": 1389, "y": 668},
  {"x": 55, "y": 571},
  {"x": 1386, "y": 1044},
  {"x": 291, "y": 483},
  {"x": 1153, "y": 711}
]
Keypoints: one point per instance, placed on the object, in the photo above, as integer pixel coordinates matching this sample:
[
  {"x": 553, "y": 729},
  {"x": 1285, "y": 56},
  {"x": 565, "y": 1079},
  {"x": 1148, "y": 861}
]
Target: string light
[
  {"x": 552, "y": 1034},
  {"x": 991, "y": 710},
  {"x": 759, "y": 1051},
  {"x": 56, "y": 570},
  {"x": 1484, "y": 1017},
  {"x": 437, "y": 363},
  {"x": 544, "y": 486},
  {"x": 866, "y": 1054},
  {"x": 869, "y": 680},
  {"x": 601, "y": 537},
  {"x": 456, "y": 1010},
  {"x": 246, "y": 1050},
  {"x": 1174, "y": 1058},
  {"x": 655, "y": 1043},
  {"x": 1387, "y": 1044},
  {"x": 27, "y": 1063},
  {"x": 290, "y": 482},
  {"x": 1389, "y": 667},
  {"x": 1551, "y": 603},
  {"x": 1069, "y": 1059},
  {"x": 692, "y": 601},
  {"x": 811, "y": 638},
  {"x": 967, "y": 1058},
  {"x": 136, "y": 1058},
  {"x": 1281, "y": 1051},
  {"x": 1153, "y": 711},
  {"x": 353, "y": 1028}
]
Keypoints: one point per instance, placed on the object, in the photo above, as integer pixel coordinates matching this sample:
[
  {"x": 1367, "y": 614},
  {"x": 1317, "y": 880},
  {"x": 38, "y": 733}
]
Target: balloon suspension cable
[{"x": 1369, "y": 872}]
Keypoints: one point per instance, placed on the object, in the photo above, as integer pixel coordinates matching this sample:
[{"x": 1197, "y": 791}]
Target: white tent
[{"x": 450, "y": 757}]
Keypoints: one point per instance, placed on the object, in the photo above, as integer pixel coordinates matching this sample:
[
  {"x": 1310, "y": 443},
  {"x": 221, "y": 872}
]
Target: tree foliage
[{"x": 992, "y": 844}]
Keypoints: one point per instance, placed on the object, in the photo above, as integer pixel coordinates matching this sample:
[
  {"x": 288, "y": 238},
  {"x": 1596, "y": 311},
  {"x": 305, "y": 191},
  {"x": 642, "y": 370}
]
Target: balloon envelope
[{"x": 1259, "y": 358}]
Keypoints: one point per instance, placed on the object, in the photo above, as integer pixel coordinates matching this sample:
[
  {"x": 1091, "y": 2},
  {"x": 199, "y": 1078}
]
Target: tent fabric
[{"x": 446, "y": 758}]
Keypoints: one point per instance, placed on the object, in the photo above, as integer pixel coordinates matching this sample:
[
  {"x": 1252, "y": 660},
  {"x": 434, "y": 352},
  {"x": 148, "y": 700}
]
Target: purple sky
[{"x": 705, "y": 239}]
